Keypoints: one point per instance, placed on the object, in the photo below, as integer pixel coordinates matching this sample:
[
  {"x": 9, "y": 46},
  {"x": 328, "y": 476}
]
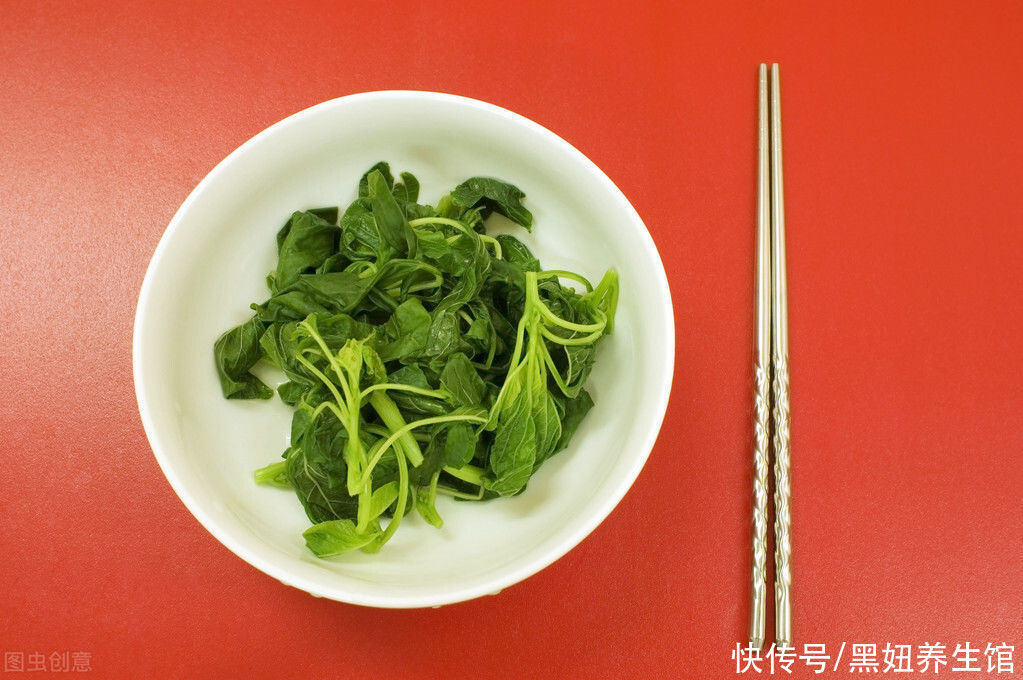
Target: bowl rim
[{"x": 513, "y": 573}]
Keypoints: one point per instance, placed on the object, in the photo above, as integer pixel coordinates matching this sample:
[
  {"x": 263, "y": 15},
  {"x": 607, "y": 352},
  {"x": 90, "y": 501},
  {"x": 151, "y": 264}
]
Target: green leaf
[
  {"x": 546, "y": 422},
  {"x": 400, "y": 278},
  {"x": 514, "y": 451},
  {"x": 390, "y": 219},
  {"x": 337, "y": 291},
  {"x": 462, "y": 381},
  {"x": 316, "y": 467},
  {"x": 337, "y": 329},
  {"x": 516, "y": 253},
  {"x": 309, "y": 241},
  {"x": 573, "y": 412},
  {"x": 360, "y": 238},
  {"x": 407, "y": 190},
  {"x": 411, "y": 375},
  {"x": 335, "y": 537},
  {"x": 291, "y": 392},
  {"x": 407, "y": 331},
  {"x": 470, "y": 263},
  {"x": 459, "y": 444},
  {"x": 327, "y": 214},
  {"x": 444, "y": 339},
  {"x": 290, "y": 306},
  {"x": 434, "y": 245},
  {"x": 605, "y": 297},
  {"x": 384, "y": 169},
  {"x": 416, "y": 405},
  {"x": 382, "y": 499},
  {"x": 234, "y": 353},
  {"x": 373, "y": 369},
  {"x": 337, "y": 262},
  {"x": 493, "y": 195}
]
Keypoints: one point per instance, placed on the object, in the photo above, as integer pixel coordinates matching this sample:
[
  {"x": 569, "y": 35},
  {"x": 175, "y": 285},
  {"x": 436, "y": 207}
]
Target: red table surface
[{"x": 904, "y": 154}]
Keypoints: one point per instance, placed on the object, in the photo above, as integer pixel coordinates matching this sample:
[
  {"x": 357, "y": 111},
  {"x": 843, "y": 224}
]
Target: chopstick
[
  {"x": 780, "y": 367},
  {"x": 771, "y": 358},
  {"x": 762, "y": 377}
]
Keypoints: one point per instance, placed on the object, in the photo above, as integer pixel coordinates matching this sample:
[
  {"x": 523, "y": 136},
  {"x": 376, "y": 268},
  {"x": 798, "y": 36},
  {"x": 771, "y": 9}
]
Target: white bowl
[{"x": 211, "y": 263}]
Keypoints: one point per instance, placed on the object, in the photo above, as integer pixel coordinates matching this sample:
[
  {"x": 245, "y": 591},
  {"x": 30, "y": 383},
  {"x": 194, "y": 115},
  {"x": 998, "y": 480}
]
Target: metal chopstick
[
  {"x": 762, "y": 375},
  {"x": 780, "y": 345}
]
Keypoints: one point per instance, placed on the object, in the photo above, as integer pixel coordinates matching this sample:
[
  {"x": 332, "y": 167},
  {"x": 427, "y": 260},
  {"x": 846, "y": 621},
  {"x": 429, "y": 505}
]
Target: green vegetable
[{"x": 422, "y": 356}]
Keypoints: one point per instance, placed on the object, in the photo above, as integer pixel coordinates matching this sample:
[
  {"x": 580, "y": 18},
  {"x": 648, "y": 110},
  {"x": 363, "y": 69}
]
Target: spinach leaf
[
  {"x": 308, "y": 241},
  {"x": 444, "y": 339},
  {"x": 291, "y": 392},
  {"x": 460, "y": 445},
  {"x": 335, "y": 537},
  {"x": 547, "y": 423},
  {"x": 383, "y": 168},
  {"x": 469, "y": 265},
  {"x": 493, "y": 195},
  {"x": 515, "y": 445},
  {"x": 360, "y": 240},
  {"x": 328, "y": 214},
  {"x": 517, "y": 254},
  {"x": 289, "y": 306},
  {"x": 407, "y": 331},
  {"x": 394, "y": 229},
  {"x": 339, "y": 291},
  {"x": 407, "y": 190},
  {"x": 572, "y": 413},
  {"x": 234, "y": 353},
  {"x": 414, "y": 404},
  {"x": 462, "y": 381},
  {"x": 317, "y": 473}
]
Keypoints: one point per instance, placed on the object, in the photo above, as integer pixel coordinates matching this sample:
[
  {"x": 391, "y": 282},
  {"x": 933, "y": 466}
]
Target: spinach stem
[
  {"x": 553, "y": 318},
  {"x": 514, "y": 366},
  {"x": 330, "y": 356},
  {"x": 584, "y": 340},
  {"x": 419, "y": 222},
  {"x": 411, "y": 426},
  {"x": 389, "y": 413},
  {"x": 270, "y": 474},
  {"x": 326, "y": 381},
  {"x": 438, "y": 281},
  {"x": 553, "y": 370},
  {"x": 426, "y": 502},
  {"x": 422, "y": 221},
  {"x": 546, "y": 313},
  {"x": 455, "y": 493},
  {"x": 365, "y": 498},
  {"x": 400, "y": 387},
  {"x": 368, "y": 269},
  {"x": 354, "y": 455},
  {"x": 466, "y": 473},
  {"x": 399, "y": 510},
  {"x": 564, "y": 274},
  {"x": 333, "y": 408}
]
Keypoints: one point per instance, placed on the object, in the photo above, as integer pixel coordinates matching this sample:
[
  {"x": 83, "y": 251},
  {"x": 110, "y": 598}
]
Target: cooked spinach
[{"x": 422, "y": 356}]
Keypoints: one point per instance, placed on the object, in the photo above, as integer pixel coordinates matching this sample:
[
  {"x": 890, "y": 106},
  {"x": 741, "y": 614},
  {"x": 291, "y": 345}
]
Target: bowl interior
[{"x": 211, "y": 264}]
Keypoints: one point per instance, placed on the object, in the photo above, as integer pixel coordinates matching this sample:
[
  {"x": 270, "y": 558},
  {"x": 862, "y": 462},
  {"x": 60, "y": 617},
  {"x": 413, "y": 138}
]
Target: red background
[{"x": 904, "y": 154}]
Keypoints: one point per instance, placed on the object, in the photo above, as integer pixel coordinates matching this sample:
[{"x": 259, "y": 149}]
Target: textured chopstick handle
[
  {"x": 761, "y": 469},
  {"x": 782, "y": 498}
]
